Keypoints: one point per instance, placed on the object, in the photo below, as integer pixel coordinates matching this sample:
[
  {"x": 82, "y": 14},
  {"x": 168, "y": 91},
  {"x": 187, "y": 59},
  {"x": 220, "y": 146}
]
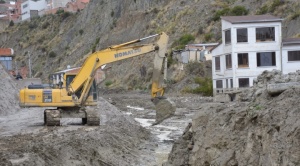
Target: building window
[
  {"x": 242, "y": 35},
  {"x": 227, "y": 85},
  {"x": 266, "y": 59},
  {"x": 227, "y": 37},
  {"x": 217, "y": 63},
  {"x": 25, "y": 6},
  {"x": 228, "y": 62},
  {"x": 7, "y": 62},
  {"x": 265, "y": 34},
  {"x": 243, "y": 82},
  {"x": 231, "y": 83},
  {"x": 219, "y": 83},
  {"x": 293, "y": 55},
  {"x": 243, "y": 60}
]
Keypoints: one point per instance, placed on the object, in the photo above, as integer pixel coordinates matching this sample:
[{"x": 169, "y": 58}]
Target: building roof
[
  {"x": 251, "y": 19},
  {"x": 6, "y": 52},
  {"x": 71, "y": 70},
  {"x": 288, "y": 41},
  {"x": 203, "y": 44}
]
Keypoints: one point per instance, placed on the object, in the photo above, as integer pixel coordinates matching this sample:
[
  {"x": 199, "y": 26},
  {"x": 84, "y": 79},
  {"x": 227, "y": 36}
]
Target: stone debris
[
  {"x": 262, "y": 131},
  {"x": 9, "y": 93}
]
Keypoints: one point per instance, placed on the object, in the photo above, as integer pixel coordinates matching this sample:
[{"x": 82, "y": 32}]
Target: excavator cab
[{"x": 93, "y": 90}]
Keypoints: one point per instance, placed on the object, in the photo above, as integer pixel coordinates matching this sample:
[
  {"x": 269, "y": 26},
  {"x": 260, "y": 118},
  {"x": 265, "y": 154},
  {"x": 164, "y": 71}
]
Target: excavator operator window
[
  {"x": 93, "y": 91},
  {"x": 69, "y": 79}
]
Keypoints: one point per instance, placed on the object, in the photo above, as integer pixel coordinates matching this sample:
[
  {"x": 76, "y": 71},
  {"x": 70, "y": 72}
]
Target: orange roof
[{"x": 6, "y": 51}]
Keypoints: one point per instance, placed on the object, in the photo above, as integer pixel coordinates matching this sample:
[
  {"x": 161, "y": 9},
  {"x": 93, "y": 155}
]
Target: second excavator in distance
[{"x": 78, "y": 91}]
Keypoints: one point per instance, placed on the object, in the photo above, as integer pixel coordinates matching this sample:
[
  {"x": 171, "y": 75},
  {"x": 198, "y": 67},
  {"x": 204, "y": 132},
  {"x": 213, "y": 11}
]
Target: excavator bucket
[{"x": 164, "y": 108}]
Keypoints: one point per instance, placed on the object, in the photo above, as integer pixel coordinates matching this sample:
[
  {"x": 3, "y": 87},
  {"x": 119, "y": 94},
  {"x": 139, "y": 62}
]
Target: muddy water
[{"x": 166, "y": 132}]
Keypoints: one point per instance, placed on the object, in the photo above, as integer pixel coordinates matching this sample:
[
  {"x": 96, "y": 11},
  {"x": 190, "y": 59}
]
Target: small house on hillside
[
  {"x": 33, "y": 8},
  {"x": 6, "y": 58},
  {"x": 195, "y": 52},
  {"x": 251, "y": 45}
]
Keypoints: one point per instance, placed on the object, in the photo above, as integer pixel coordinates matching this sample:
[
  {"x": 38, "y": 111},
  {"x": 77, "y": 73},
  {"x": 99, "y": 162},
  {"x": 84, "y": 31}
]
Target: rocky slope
[
  {"x": 264, "y": 131},
  {"x": 56, "y": 41}
]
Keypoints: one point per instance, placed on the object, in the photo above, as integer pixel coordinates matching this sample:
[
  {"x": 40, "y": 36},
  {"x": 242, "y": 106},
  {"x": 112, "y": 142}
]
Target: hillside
[{"x": 56, "y": 41}]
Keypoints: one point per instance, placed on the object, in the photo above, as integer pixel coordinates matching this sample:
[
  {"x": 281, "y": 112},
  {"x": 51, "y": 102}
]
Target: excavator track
[
  {"x": 51, "y": 117},
  {"x": 92, "y": 117}
]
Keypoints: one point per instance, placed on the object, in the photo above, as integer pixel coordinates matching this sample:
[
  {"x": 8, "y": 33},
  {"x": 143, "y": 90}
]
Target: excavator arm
[{"x": 84, "y": 78}]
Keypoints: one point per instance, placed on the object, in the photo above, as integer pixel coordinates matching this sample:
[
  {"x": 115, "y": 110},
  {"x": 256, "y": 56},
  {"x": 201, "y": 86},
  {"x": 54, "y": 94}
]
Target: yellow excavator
[{"x": 77, "y": 91}]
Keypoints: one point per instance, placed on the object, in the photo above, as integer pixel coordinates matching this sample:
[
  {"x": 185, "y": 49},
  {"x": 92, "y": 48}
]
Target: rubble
[
  {"x": 8, "y": 93},
  {"x": 262, "y": 131}
]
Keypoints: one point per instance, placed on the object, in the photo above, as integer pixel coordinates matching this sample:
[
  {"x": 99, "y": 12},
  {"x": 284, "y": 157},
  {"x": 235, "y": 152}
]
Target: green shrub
[
  {"x": 170, "y": 61},
  {"x": 263, "y": 10},
  {"x": 52, "y": 54},
  {"x": 112, "y": 13},
  {"x": 108, "y": 83},
  {"x": 182, "y": 41},
  {"x": 11, "y": 23},
  {"x": 95, "y": 45},
  {"x": 208, "y": 36},
  {"x": 81, "y": 31},
  {"x": 275, "y": 4},
  {"x": 219, "y": 13},
  {"x": 65, "y": 15},
  {"x": 205, "y": 86},
  {"x": 238, "y": 11},
  {"x": 235, "y": 11},
  {"x": 60, "y": 11},
  {"x": 45, "y": 25}
]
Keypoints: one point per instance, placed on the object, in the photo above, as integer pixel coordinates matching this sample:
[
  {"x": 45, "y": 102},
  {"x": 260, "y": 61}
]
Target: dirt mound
[
  {"x": 119, "y": 140},
  {"x": 8, "y": 93},
  {"x": 264, "y": 131}
]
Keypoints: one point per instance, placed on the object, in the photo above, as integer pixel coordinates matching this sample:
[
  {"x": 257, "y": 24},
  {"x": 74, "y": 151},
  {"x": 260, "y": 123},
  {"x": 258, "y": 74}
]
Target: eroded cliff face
[{"x": 264, "y": 131}]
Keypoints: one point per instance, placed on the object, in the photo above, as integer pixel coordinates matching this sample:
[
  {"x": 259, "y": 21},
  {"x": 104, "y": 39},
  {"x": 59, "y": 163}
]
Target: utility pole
[{"x": 29, "y": 65}]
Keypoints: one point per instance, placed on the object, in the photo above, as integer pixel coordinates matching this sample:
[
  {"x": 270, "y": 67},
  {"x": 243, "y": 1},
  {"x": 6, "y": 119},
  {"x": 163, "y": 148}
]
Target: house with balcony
[{"x": 251, "y": 45}]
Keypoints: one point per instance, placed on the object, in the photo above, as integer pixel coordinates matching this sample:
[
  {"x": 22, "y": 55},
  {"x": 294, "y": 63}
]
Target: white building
[
  {"x": 251, "y": 45},
  {"x": 33, "y": 8},
  {"x": 52, "y": 4}
]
